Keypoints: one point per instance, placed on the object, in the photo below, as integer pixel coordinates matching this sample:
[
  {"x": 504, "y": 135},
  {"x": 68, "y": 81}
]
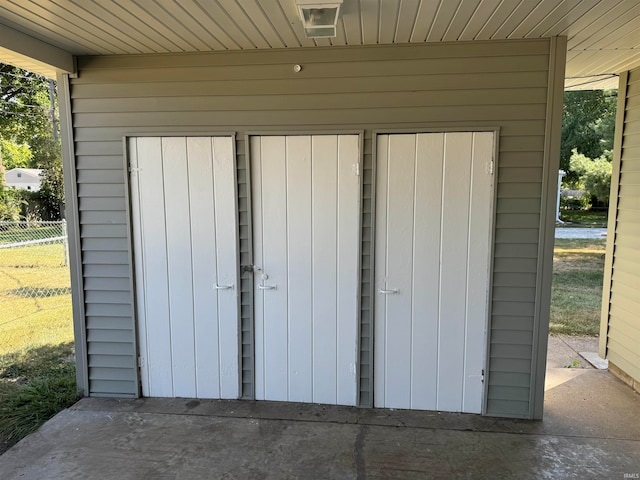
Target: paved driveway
[{"x": 570, "y": 232}]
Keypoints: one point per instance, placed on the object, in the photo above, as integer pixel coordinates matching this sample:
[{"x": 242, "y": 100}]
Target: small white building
[{"x": 24, "y": 178}]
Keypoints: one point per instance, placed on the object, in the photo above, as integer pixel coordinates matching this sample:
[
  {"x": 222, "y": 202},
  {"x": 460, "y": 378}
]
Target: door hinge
[
  {"x": 490, "y": 167},
  {"x": 356, "y": 169},
  {"x": 140, "y": 362},
  {"x": 482, "y": 376},
  {"x": 134, "y": 169}
]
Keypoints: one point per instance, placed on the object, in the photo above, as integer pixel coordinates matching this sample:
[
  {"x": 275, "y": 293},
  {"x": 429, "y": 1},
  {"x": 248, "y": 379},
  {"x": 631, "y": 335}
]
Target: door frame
[
  {"x": 130, "y": 239},
  {"x": 496, "y": 157},
  {"x": 246, "y": 271}
]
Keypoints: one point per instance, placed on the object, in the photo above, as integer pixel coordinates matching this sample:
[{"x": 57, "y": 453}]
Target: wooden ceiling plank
[
  {"x": 280, "y": 21},
  {"x": 626, "y": 36},
  {"x": 556, "y": 23},
  {"x": 290, "y": 11},
  {"x": 351, "y": 19},
  {"x": 544, "y": 9},
  {"x": 120, "y": 27},
  {"x": 406, "y": 20},
  {"x": 183, "y": 13},
  {"x": 442, "y": 20},
  {"x": 630, "y": 40},
  {"x": 136, "y": 27},
  {"x": 213, "y": 19},
  {"x": 627, "y": 63},
  {"x": 370, "y": 18},
  {"x": 500, "y": 15},
  {"x": 576, "y": 64},
  {"x": 593, "y": 62},
  {"x": 171, "y": 13},
  {"x": 244, "y": 22},
  {"x": 426, "y": 14},
  {"x": 340, "y": 38},
  {"x": 42, "y": 34},
  {"x": 610, "y": 34},
  {"x": 261, "y": 21},
  {"x": 479, "y": 18},
  {"x": 22, "y": 14},
  {"x": 583, "y": 23},
  {"x": 389, "y": 10},
  {"x": 524, "y": 10},
  {"x": 152, "y": 17},
  {"x": 594, "y": 21},
  {"x": 215, "y": 14},
  {"x": 463, "y": 16},
  {"x": 91, "y": 23}
]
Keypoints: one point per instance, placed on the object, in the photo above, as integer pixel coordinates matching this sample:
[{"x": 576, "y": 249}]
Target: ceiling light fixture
[{"x": 319, "y": 18}]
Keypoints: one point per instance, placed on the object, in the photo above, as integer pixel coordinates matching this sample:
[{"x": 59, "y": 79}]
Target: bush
[
  {"x": 575, "y": 203},
  {"x": 10, "y": 204},
  {"x": 595, "y": 174}
]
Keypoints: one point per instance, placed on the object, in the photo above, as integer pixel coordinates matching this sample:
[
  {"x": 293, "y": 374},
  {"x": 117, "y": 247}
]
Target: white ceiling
[{"x": 603, "y": 35}]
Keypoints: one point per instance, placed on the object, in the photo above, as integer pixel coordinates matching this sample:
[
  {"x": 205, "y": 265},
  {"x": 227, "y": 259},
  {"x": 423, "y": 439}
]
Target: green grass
[
  {"x": 576, "y": 295},
  {"x": 584, "y": 218},
  {"x": 37, "y": 370},
  {"x": 35, "y": 384}
]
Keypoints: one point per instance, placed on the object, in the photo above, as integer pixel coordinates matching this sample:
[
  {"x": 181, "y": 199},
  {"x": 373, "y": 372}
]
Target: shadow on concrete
[{"x": 591, "y": 430}]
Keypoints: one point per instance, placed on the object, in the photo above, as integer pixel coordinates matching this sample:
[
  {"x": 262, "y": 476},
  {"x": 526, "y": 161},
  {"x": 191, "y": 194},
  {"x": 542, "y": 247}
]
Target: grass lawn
[
  {"x": 584, "y": 218},
  {"x": 578, "y": 266},
  {"x": 37, "y": 369}
]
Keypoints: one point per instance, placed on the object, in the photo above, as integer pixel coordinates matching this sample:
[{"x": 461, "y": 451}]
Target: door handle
[
  {"x": 392, "y": 291},
  {"x": 267, "y": 287},
  {"x": 223, "y": 287}
]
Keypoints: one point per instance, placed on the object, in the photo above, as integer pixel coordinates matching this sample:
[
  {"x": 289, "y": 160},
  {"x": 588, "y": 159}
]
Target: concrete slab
[
  {"x": 595, "y": 360},
  {"x": 591, "y": 430},
  {"x": 562, "y": 351}
]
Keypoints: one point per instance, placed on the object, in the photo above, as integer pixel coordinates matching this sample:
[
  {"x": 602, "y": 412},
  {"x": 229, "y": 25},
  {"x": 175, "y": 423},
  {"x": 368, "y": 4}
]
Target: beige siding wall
[
  {"x": 622, "y": 289},
  {"x": 482, "y": 84}
]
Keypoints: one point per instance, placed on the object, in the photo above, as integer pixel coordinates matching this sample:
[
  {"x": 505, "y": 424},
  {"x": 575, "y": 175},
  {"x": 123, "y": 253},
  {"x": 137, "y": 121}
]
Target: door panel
[
  {"x": 185, "y": 249},
  {"x": 306, "y": 195},
  {"x": 433, "y": 221}
]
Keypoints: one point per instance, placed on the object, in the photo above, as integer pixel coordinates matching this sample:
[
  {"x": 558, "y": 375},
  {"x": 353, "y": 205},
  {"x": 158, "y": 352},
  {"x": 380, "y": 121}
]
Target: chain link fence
[{"x": 34, "y": 269}]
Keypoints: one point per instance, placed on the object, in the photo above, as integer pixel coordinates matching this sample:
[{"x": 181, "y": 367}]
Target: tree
[
  {"x": 24, "y": 105},
  {"x": 16, "y": 155},
  {"x": 10, "y": 203},
  {"x": 593, "y": 174},
  {"x": 28, "y": 139},
  {"x": 51, "y": 194},
  {"x": 588, "y": 120}
]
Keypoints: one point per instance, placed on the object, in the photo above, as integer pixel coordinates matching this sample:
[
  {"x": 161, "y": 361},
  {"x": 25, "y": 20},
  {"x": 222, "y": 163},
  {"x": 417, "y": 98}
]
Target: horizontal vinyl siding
[
  {"x": 623, "y": 334},
  {"x": 482, "y": 85}
]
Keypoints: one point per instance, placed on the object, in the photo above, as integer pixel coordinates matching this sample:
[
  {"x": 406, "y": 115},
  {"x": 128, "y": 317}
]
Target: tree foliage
[
  {"x": 10, "y": 204},
  {"x": 24, "y": 105},
  {"x": 588, "y": 121},
  {"x": 51, "y": 193},
  {"x": 27, "y": 137},
  {"x": 16, "y": 155},
  {"x": 594, "y": 174}
]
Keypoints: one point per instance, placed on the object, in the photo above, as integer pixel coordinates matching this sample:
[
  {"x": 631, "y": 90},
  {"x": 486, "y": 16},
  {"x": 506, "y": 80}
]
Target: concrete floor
[{"x": 591, "y": 430}]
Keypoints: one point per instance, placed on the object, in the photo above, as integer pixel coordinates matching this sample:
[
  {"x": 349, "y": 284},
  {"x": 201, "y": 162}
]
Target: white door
[
  {"x": 306, "y": 204},
  {"x": 184, "y": 225},
  {"x": 433, "y": 227}
]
